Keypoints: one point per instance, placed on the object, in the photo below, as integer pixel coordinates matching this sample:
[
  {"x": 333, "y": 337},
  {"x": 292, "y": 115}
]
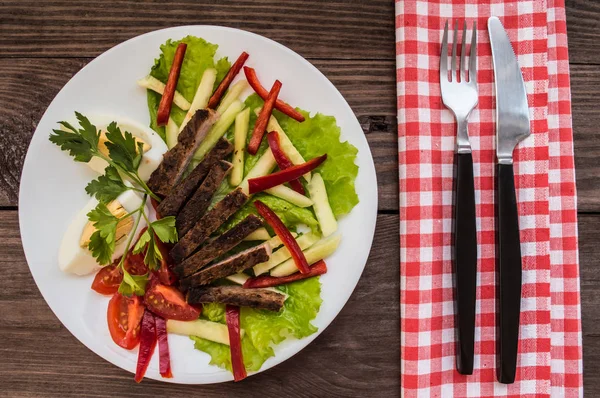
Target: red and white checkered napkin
[{"x": 549, "y": 362}]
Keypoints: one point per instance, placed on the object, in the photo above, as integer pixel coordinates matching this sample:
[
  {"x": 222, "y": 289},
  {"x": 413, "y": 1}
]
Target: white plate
[{"x": 52, "y": 188}]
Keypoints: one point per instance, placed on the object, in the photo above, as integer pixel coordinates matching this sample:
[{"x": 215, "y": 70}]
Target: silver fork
[{"x": 461, "y": 97}]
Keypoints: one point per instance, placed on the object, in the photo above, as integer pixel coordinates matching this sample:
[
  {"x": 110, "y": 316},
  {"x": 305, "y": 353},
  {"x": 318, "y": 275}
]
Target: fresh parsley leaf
[
  {"x": 108, "y": 186},
  {"x": 102, "y": 249},
  {"x": 153, "y": 256},
  {"x": 102, "y": 242},
  {"x": 133, "y": 284},
  {"x": 165, "y": 229},
  {"x": 142, "y": 242},
  {"x": 82, "y": 144},
  {"x": 122, "y": 148}
]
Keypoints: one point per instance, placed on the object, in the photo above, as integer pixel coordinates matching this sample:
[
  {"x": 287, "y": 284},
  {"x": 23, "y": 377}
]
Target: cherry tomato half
[
  {"x": 124, "y": 317},
  {"x": 168, "y": 302},
  {"x": 108, "y": 279}
]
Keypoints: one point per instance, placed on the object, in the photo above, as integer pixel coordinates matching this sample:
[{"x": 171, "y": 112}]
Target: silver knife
[{"x": 512, "y": 126}]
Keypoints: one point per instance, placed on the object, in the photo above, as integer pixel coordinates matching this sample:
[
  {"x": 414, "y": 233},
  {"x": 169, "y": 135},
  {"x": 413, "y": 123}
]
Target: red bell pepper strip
[
  {"x": 163, "y": 348},
  {"x": 232, "y": 315},
  {"x": 263, "y": 93},
  {"x": 284, "y": 234},
  {"x": 164, "y": 107},
  {"x": 318, "y": 268},
  {"x": 282, "y": 160},
  {"x": 259, "y": 184},
  {"x": 147, "y": 344},
  {"x": 231, "y": 74},
  {"x": 263, "y": 119},
  {"x": 164, "y": 273}
]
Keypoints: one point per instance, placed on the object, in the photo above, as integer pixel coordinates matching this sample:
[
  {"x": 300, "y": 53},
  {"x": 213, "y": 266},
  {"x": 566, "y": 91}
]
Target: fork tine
[
  {"x": 463, "y": 54},
  {"x": 453, "y": 74},
  {"x": 473, "y": 56},
  {"x": 444, "y": 56}
]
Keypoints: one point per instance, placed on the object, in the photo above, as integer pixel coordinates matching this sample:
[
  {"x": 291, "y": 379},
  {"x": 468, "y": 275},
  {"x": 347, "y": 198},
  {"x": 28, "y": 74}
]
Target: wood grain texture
[
  {"x": 368, "y": 87},
  {"x": 358, "y": 354},
  {"x": 313, "y": 28},
  {"x": 583, "y": 29}
]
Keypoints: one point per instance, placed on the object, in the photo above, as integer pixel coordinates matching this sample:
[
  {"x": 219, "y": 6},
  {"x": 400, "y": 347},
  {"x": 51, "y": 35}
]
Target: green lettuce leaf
[
  {"x": 315, "y": 136},
  {"x": 199, "y": 56},
  {"x": 264, "y": 329}
]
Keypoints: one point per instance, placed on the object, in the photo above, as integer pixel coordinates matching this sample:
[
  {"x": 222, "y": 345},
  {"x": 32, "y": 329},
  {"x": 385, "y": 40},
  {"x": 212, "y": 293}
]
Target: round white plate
[{"x": 52, "y": 188}]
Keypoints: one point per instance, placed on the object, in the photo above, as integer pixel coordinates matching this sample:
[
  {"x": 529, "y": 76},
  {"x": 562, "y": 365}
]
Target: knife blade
[{"x": 512, "y": 126}]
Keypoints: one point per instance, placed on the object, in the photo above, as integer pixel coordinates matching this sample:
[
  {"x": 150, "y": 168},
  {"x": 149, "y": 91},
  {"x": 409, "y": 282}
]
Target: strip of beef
[
  {"x": 232, "y": 265},
  {"x": 208, "y": 224},
  {"x": 171, "y": 205},
  {"x": 219, "y": 246},
  {"x": 176, "y": 160},
  {"x": 263, "y": 299},
  {"x": 196, "y": 206}
]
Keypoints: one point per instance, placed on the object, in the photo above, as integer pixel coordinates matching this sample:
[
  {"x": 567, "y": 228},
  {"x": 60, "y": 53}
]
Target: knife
[{"x": 512, "y": 126}]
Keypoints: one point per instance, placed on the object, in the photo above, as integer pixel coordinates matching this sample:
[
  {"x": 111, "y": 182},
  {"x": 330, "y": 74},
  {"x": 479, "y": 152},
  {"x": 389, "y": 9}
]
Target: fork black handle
[
  {"x": 509, "y": 268},
  {"x": 465, "y": 261}
]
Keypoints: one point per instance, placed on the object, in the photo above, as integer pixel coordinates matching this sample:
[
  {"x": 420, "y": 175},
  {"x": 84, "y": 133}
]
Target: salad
[{"x": 216, "y": 221}]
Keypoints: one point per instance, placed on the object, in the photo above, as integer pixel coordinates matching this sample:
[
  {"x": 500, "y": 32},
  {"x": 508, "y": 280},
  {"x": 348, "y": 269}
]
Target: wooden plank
[
  {"x": 28, "y": 85},
  {"x": 583, "y": 26},
  {"x": 589, "y": 252},
  {"x": 332, "y": 29},
  {"x": 356, "y": 355}
]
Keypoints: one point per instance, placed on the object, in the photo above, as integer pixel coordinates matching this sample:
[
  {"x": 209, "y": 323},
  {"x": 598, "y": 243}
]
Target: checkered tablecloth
[{"x": 550, "y": 356}]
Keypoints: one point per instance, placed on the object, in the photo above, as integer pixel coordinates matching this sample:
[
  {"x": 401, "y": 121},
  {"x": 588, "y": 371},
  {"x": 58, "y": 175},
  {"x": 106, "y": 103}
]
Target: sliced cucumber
[
  {"x": 304, "y": 241},
  {"x": 263, "y": 166},
  {"x": 259, "y": 234},
  {"x": 275, "y": 241},
  {"x": 316, "y": 252},
  {"x": 218, "y": 129},
  {"x": 208, "y": 330},
  {"x": 232, "y": 94},
  {"x": 152, "y": 83},
  {"x": 240, "y": 278},
  {"x": 283, "y": 192},
  {"x": 172, "y": 132},
  {"x": 203, "y": 93},
  {"x": 241, "y": 132},
  {"x": 318, "y": 194}
]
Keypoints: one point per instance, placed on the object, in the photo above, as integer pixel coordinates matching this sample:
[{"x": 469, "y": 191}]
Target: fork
[{"x": 461, "y": 97}]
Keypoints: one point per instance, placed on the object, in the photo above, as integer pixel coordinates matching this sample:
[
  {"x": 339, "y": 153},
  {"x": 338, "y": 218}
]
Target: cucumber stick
[
  {"x": 263, "y": 166},
  {"x": 318, "y": 251},
  {"x": 304, "y": 241},
  {"x": 203, "y": 93},
  {"x": 318, "y": 194},
  {"x": 208, "y": 330},
  {"x": 152, "y": 83},
  {"x": 283, "y": 192},
  {"x": 232, "y": 94},
  {"x": 239, "y": 141},
  {"x": 275, "y": 241},
  {"x": 171, "y": 132},
  {"x": 240, "y": 278},
  {"x": 219, "y": 129},
  {"x": 259, "y": 234}
]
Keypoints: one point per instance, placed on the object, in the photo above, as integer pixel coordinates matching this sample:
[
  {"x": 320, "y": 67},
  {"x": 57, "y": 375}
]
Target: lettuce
[
  {"x": 199, "y": 56},
  {"x": 264, "y": 329}
]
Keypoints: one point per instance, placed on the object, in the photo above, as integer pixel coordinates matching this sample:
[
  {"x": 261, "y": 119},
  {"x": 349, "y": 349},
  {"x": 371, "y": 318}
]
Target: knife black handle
[
  {"x": 509, "y": 267},
  {"x": 465, "y": 261}
]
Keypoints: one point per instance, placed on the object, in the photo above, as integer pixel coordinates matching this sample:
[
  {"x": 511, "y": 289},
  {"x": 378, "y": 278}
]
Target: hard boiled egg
[
  {"x": 154, "y": 146},
  {"x": 75, "y": 257}
]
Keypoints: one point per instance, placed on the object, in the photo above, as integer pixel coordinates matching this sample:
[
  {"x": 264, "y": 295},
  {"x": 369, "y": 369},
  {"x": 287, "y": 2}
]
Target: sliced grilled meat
[
  {"x": 208, "y": 224},
  {"x": 236, "y": 295},
  {"x": 196, "y": 206},
  {"x": 176, "y": 160},
  {"x": 171, "y": 205},
  {"x": 232, "y": 265},
  {"x": 219, "y": 246}
]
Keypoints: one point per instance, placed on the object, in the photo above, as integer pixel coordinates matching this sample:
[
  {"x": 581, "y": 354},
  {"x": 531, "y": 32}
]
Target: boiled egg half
[{"x": 75, "y": 257}]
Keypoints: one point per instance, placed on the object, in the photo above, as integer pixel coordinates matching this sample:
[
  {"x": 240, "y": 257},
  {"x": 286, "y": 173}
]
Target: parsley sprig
[{"x": 124, "y": 158}]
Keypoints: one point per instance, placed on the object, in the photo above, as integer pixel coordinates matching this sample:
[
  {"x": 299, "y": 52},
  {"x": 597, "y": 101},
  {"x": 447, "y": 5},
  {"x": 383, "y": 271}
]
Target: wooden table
[{"x": 44, "y": 43}]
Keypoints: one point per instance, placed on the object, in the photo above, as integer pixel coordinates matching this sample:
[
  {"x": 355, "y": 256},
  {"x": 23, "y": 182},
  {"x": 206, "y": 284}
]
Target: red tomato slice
[
  {"x": 124, "y": 317},
  {"x": 168, "y": 302},
  {"x": 108, "y": 279},
  {"x": 165, "y": 275}
]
